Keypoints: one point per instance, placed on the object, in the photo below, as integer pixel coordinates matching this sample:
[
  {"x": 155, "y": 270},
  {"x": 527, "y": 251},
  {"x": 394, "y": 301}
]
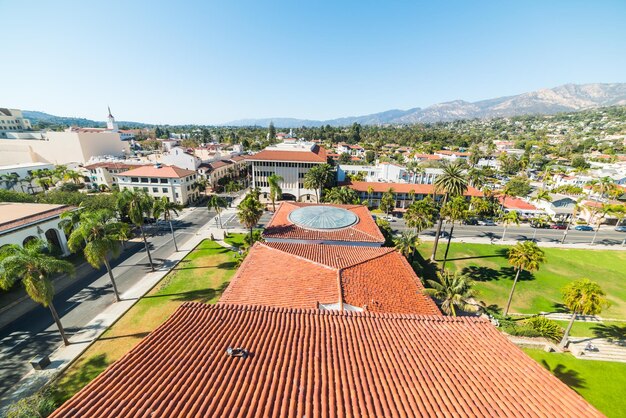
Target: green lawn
[
  {"x": 201, "y": 276},
  {"x": 601, "y": 383},
  {"x": 541, "y": 291},
  {"x": 236, "y": 240},
  {"x": 606, "y": 329}
]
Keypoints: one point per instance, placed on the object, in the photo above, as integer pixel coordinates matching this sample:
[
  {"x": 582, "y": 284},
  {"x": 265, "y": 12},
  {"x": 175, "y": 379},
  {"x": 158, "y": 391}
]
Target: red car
[{"x": 558, "y": 226}]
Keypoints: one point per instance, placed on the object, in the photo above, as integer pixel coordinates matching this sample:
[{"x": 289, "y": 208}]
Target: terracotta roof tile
[
  {"x": 516, "y": 203},
  {"x": 112, "y": 165},
  {"x": 311, "y": 363},
  {"x": 317, "y": 155},
  {"x": 363, "y": 186},
  {"x": 365, "y": 230},
  {"x": 30, "y": 213},
  {"x": 164, "y": 171}
]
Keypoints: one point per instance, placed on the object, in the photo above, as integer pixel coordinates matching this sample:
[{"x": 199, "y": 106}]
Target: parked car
[
  {"x": 486, "y": 222},
  {"x": 539, "y": 224},
  {"x": 558, "y": 226},
  {"x": 470, "y": 221},
  {"x": 583, "y": 228},
  {"x": 390, "y": 218},
  {"x": 620, "y": 228},
  {"x": 444, "y": 234}
]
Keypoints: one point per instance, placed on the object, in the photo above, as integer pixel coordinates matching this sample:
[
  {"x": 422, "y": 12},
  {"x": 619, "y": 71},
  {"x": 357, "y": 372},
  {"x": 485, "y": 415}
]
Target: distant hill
[
  {"x": 36, "y": 116},
  {"x": 566, "y": 98}
]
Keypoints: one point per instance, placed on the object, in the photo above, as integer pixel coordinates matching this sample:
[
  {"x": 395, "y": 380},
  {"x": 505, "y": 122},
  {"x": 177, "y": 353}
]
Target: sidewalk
[{"x": 485, "y": 240}]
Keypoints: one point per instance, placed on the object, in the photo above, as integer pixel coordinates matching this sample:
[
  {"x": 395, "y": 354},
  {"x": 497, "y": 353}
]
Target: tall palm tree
[
  {"x": 421, "y": 215},
  {"x": 137, "y": 204},
  {"x": 72, "y": 175},
  {"x": 452, "y": 182},
  {"x": 370, "y": 192},
  {"x": 276, "y": 192},
  {"x": 600, "y": 213},
  {"x": 70, "y": 220},
  {"x": 387, "y": 201},
  {"x": 525, "y": 255},
  {"x": 217, "y": 203},
  {"x": 454, "y": 210},
  {"x": 341, "y": 196},
  {"x": 571, "y": 218},
  {"x": 317, "y": 177},
  {"x": 453, "y": 291},
  {"x": 101, "y": 233},
  {"x": 163, "y": 207},
  {"x": 249, "y": 212},
  {"x": 582, "y": 297},
  {"x": 407, "y": 243},
  {"x": 10, "y": 179},
  {"x": 509, "y": 218},
  {"x": 32, "y": 265}
]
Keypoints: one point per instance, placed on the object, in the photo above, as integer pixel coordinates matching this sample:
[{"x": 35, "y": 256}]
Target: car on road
[
  {"x": 389, "y": 218},
  {"x": 444, "y": 234},
  {"x": 539, "y": 225},
  {"x": 620, "y": 228},
  {"x": 558, "y": 226},
  {"x": 583, "y": 228},
  {"x": 486, "y": 222},
  {"x": 470, "y": 221}
]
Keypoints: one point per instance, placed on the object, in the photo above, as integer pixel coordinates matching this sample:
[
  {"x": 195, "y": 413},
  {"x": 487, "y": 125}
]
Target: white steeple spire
[{"x": 111, "y": 124}]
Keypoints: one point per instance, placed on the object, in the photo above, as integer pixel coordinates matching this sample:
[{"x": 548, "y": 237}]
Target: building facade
[
  {"x": 18, "y": 177},
  {"x": 174, "y": 183},
  {"x": 12, "y": 120}
]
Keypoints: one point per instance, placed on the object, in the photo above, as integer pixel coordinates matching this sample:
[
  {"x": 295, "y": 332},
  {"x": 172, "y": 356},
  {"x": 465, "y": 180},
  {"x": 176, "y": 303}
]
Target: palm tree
[
  {"x": 249, "y": 212},
  {"x": 452, "y": 182},
  {"x": 370, "y": 191},
  {"x": 421, "y": 215},
  {"x": 600, "y": 213},
  {"x": 508, "y": 218},
  {"x": 217, "y": 203},
  {"x": 317, "y": 177},
  {"x": 70, "y": 220},
  {"x": 276, "y": 192},
  {"x": 527, "y": 256},
  {"x": 582, "y": 297},
  {"x": 72, "y": 175},
  {"x": 10, "y": 179},
  {"x": 407, "y": 243},
  {"x": 387, "y": 201},
  {"x": 138, "y": 205},
  {"x": 101, "y": 233},
  {"x": 571, "y": 219},
  {"x": 454, "y": 210},
  {"x": 163, "y": 207},
  {"x": 32, "y": 264},
  {"x": 341, "y": 196},
  {"x": 476, "y": 177},
  {"x": 453, "y": 291}
]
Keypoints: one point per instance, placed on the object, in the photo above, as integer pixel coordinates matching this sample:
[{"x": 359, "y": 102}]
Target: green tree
[
  {"x": 276, "y": 192},
  {"x": 370, "y": 156},
  {"x": 249, "y": 212},
  {"x": 163, "y": 207},
  {"x": 72, "y": 175},
  {"x": 271, "y": 132},
  {"x": 527, "y": 256},
  {"x": 582, "y": 297},
  {"x": 341, "y": 196},
  {"x": 421, "y": 214},
  {"x": 370, "y": 192},
  {"x": 138, "y": 205},
  {"x": 217, "y": 203},
  {"x": 454, "y": 210},
  {"x": 70, "y": 220},
  {"x": 344, "y": 158},
  {"x": 98, "y": 234},
  {"x": 453, "y": 291},
  {"x": 517, "y": 186},
  {"x": 317, "y": 178},
  {"x": 509, "y": 218},
  {"x": 33, "y": 265},
  {"x": 407, "y": 244},
  {"x": 387, "y": 201},
  {"x": 452, "y": 182}
]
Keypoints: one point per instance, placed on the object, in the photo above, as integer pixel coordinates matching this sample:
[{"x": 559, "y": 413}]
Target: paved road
[
  {"x": 35, "y": 333},
  {"x": 606, "y": 236}
]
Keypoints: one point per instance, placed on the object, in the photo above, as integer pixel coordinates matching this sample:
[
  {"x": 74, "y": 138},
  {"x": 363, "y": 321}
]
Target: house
[
  {"x": 296, "y": 222},
  {"x": 452, "y": 155},
  {"x": 174, "y": 183},
  {"x": 559, "y": 208},
  {"x": 180, "y": 157},
  {"x": 353, "y": 150},
  {"x": 522, "y": 207}
]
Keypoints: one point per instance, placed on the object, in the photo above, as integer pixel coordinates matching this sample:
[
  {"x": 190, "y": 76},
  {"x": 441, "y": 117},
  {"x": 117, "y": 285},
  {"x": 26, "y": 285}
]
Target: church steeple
[{"x": 111, "y": 124}]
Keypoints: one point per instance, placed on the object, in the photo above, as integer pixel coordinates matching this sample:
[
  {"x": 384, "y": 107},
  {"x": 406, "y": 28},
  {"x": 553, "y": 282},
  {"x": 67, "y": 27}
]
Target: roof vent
[
  {"x": 157, "y": 165},
  {"x": 237, "y": 352}
]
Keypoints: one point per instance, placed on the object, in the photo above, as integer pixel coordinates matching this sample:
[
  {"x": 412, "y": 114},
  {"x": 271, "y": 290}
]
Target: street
[{"x": 35, "y": 332}]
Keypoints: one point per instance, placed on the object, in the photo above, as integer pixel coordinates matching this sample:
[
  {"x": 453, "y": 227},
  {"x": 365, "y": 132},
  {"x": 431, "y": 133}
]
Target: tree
[
  {"x": 99, "y": 235},
  {"x": 527, "y": 256},
  {"x": 600, "y": 213},
  {"x": 582, "y": 297},
  {"x": 571, "y": 219},
  {"x": 421, "y": 214},
  {"x": 33, "y": 265},
  {"x": 73, "y": 176},
  {"x": 370, "y": 191},
  {"x": 453, "y": 291},
  {"x": 387, "y": 201},
  {"x": 271, "y": 132},
  {"x": 138, "y": 205},
  {"x": 370, "y": 156},
  {"x": 217, "y": 203},
  {"x": 317, "y": 177},
  {"x": 451, "y": 183},
  {"x": 578, "y": 161},
  {"x": 517, "y": 186},
  {"x": 70, "y": 220},
  {"x": 509, "y": 218},
  {"x": 454, "y": 210},
  {"x": 163, "y": 207},
  {"x": 341, "y": 196},
  {"x": 407, "y": 243},
  {"x": 249, "y": 212},
  {"x": 345, "y": 158},
  {"x": 276, "y": 192}
]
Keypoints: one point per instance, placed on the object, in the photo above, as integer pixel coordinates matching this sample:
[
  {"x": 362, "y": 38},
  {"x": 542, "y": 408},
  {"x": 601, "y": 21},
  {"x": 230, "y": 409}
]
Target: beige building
[
  {"x": 11, "y": 120},
  {"x": 103, "y": 173},
  {"x": 158, "y": 180}
]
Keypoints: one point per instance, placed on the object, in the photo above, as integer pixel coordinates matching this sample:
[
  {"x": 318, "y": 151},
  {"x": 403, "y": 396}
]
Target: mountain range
[{"x": 566, "y": 98}]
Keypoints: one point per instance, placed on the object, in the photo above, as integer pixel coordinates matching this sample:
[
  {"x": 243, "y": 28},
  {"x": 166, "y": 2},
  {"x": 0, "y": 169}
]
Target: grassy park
[
  {"x": 600, "y": 382},
  {"x": 202, "y": 276},
  {"x": 536, "y": 292}
]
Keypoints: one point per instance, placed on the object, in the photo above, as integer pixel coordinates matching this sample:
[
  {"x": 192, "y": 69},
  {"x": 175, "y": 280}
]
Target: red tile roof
[
  {"x": 112, "y": 165},
  {"x": 165, "y": 171},
  {"x": 31, "y": 213},
  {"x": 365, "y": 230},
  {"x": 363, "y": 186},
  {"x": 312, "y": 363},
  {"x": 316, "y": 155},
  {"x": 516, "y": 203},
  {"x": 303, "y": 275},
  {"x": 427, "y": 157}
]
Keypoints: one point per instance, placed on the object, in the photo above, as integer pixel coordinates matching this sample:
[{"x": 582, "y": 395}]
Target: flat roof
[{"x": 13, "y": 215}]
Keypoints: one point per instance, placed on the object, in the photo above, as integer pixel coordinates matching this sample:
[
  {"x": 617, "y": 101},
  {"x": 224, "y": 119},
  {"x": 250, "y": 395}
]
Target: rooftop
[
  {"x": 13, "y": 215},
  {"x": 163, "y": 171},
  {"x": 292, "y": 152},
  {"x": 306, "y": 225},
  {"x": 380, "y": 187},
  {"x": 516, "y": 203},
  {"x": 376, "y": 279},
  {"x": 312, "y": 363}
]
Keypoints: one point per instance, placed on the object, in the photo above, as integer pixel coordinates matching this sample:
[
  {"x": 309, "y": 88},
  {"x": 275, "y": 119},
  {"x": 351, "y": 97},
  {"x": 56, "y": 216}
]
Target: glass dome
[{"x": 322, "y": 217}]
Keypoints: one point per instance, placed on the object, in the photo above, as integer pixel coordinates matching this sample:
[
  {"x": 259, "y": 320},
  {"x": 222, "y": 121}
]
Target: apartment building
[
  {"x": 175, "y": 183},
  {"x": 12, "y": 120},
  {"x": 103, "y": 173}
]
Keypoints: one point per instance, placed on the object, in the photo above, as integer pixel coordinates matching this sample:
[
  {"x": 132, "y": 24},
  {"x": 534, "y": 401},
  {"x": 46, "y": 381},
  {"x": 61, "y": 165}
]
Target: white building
[
  {"x": 179, "y": 157},
  {"x": 19, "y": 176},
  {"x": 291, "y": 160},
  {"x": 388, "y": 172},
  {"x": 353, "y": 150},
  {"x": 102, "y": 173},
  {"x": 11, "y": 120},
  {"x": 158, "y": 180}
]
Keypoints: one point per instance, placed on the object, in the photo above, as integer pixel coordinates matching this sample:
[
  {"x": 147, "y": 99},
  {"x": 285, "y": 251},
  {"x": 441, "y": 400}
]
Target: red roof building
[
  {"x": 160, "y": 171},
  {"x": 314, "y": 154},
  {"x": 232, "y": 360},
  {"x": 328, "y": 277},
  {"x": 287, "y": 226}
]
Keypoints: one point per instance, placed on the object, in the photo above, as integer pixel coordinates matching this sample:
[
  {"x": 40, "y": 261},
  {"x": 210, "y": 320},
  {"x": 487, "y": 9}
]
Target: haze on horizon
[{"x": 214, "y": 62}]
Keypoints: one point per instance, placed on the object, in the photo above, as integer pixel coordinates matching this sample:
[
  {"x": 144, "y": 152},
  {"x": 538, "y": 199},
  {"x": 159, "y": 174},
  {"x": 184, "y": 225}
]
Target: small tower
[{"x": 111, "y": 124}]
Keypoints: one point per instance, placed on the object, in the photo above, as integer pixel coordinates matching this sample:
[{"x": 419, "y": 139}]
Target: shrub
[
  {"x": 545, "y": 327},
  {"x": 40, "y": 404}
]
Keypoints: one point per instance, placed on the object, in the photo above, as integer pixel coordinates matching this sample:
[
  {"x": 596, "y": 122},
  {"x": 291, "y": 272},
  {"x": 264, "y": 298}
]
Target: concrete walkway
[{"x": 486, "y": 240}]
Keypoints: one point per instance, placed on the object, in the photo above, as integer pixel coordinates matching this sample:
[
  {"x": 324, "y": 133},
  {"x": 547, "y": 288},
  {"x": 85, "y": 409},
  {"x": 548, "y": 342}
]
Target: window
[
  {"x": 155, "y": 190},
  {"x": 163, "y": 180},
  {"x": 134, "y": 180},
  {"x": 153, "y": 180},
  {"x": 144, "y": 179},
  {"x": 164, "y": 189},
  {"x": 176, "y": 194}
]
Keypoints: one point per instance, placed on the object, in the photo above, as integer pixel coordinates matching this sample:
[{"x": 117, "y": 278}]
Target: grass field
[
  {"x": 236, "y": 240},
  {"x": 202, "y": 276},
  {"x": 540, "y": 291},
  {"x": 601, "y": 383}
]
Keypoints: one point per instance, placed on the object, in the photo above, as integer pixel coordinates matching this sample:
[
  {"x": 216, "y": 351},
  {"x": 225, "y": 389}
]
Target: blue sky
[{"x": 212, "y": 62}]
